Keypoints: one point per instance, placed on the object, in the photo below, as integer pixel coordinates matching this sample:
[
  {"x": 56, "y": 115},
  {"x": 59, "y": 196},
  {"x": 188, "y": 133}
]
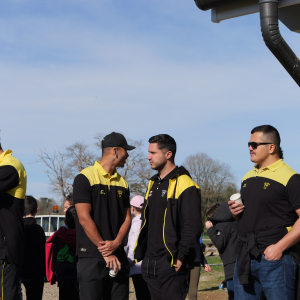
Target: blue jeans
[
  {"x": 276, "y": 279},
  {"x": 230, "y": 288}
]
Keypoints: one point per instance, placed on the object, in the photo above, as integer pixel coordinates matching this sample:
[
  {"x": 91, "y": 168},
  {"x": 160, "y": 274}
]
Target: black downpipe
[{"x": 274, "y": 40}]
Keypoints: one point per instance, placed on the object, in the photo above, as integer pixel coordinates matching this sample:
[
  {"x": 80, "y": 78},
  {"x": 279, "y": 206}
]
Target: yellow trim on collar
[{"x": 4, "y": 154}]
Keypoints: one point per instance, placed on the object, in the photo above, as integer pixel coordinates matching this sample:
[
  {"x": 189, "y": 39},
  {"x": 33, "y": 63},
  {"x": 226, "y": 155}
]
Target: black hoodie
[
  {"x": 34, "y": 263},
  {"x": 224, "y": 235},
  {"x": 182, "y": 225}
]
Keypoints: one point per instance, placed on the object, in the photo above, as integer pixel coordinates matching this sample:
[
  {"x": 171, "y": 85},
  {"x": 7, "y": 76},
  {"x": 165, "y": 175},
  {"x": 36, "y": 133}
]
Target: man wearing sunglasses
[{"x": 269, "y": 227}]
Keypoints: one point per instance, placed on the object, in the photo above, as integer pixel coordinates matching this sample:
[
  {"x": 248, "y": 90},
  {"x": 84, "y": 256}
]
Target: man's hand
[
  {"x": 208, "y": 224},
  {"x": 107, "y": 248},
  {"x": 207, "y": 268},
  {"x": 273, "y": 252},
  {"x": 112, "y": 262},
  {"x": 177, "y": 264},
  {"x": 236, "y": 209}
]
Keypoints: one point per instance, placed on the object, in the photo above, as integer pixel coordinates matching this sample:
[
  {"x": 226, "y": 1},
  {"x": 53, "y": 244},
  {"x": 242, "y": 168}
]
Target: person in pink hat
[{"x": 140, "y": 286}]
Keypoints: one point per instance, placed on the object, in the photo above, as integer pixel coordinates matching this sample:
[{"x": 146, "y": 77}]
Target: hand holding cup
[{"x": 236, "y": 204}]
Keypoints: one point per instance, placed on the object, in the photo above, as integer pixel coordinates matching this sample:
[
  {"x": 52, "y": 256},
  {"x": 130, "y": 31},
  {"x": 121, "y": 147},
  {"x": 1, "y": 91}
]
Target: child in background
[
  {"x": 60, "y": 262},
  {"x": 223, "y": 232},
  {"x": 194, "y": 274},
  {"x": 140, "y": 286}
]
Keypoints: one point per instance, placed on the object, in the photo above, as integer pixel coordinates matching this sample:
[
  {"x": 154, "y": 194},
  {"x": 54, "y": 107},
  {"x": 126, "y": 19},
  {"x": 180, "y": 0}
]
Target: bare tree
[
  {"x": 213, "y": 177},
  {"x": 61, "y": 184},
  {"x": 80, "y": 157},
  {"x": 136, "y": 170}
]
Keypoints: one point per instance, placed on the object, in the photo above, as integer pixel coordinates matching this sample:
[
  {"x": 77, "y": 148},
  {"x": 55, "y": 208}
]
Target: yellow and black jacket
[
  {"x": 13, "y": 182},
  {"x": 182, "y": 225}
]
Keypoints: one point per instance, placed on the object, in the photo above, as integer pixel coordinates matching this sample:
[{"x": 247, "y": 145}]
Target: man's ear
[
  {"x": 169, "y": 154},
  {"x": 272, "y": 149}
]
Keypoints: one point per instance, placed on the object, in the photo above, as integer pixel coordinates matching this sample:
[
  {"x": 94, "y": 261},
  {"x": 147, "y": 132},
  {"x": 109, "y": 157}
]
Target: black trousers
[
  {"x": 141, "y": 288},
  {"x": 95, "y": 282},
  {"x": 9, "y": 280},
  {"x": 163, "y": 281},
  {"x": 34, "y": 288},
  {"x": 68, "y": 290}
]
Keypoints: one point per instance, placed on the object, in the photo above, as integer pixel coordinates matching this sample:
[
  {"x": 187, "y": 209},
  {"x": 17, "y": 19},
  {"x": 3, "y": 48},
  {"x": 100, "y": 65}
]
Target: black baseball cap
[{"x": 115, "y": 139}]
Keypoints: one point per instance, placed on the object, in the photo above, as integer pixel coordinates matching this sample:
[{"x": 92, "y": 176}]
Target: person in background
[
  {"x": 223, "y": 232},
  {"x": 140, "y": 286},
  {"x": 13, "y": 182},
  {"x": 60, "y": 261},
  {"x": 33, "y": 269},
  {"x": 68, "y": 202},
  {"x": 194, "y": 274}
]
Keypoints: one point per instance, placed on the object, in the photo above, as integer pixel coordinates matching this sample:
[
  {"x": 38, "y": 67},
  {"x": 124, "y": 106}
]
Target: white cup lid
[{"x": 235, "y": 196}]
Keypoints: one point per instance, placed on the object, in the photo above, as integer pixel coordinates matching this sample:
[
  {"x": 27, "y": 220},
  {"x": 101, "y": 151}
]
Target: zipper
[{"x": 165, "y": 239}]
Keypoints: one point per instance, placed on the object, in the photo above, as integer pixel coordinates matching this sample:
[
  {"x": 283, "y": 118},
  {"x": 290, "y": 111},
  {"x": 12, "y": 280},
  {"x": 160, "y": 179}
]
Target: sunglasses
[{"x": 254, "y": 145}]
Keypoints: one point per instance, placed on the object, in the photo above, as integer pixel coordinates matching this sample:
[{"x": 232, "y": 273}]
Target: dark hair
[
  {"x": 138, "y": 209},
  {"x": 30, "y": 205},
  {"x": 273, "y": 136},
  {"x": 70, "y": 217},
  {"x": 1, "y": 147},
  {"x": 70, "y": 199},
  {"x": 212, "y": 210},
  {"x": 164, "y": 141}
]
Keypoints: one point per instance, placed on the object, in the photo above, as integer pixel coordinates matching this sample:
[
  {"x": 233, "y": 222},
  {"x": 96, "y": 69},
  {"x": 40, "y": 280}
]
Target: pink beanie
[{"x": 137, "y": 201}]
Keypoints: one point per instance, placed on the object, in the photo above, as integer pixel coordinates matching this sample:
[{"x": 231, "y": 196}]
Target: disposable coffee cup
[
  {"x": 112, "y": 272},
  {"x": 237, "y": 198}
]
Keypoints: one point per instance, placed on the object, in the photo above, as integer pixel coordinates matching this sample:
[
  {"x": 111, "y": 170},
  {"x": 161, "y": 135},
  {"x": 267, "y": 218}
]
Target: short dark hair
[
  {"x": 70, "y": 199},
  {"x": 212, "y": 210},
  {"x": 106, "y": 150},
  {"x": 70, "y": 217},
  {"x": 273, "y": 136},
  {"x": 30, "y": 205},
  {"x": 1, "y": 147},
  {"x": 164, "y": 141}
]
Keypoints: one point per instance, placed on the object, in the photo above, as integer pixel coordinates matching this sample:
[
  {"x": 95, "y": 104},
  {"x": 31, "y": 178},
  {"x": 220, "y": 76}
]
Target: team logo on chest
[
  {"x": 120, "y": 193},
  {"x": 244, "y": 185},
  {"x": 266, "y": 184},
  {"x": 163, "y": 192}
]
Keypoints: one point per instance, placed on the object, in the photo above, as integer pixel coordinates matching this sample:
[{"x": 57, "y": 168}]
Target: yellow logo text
[
  {"x": 102, "y": 192},
  {"x": 244, "y": 185},
  {"x": 266, "y": 184},
  {"x": 120, "y": 193}
]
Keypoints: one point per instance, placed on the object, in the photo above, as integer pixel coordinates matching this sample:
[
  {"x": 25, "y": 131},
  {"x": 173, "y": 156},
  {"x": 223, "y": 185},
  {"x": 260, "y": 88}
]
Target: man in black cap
[{"x": 103, "y": 220}]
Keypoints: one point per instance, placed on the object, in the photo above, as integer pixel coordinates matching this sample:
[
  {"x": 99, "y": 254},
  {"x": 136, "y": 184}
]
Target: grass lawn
[{"x": 208, "y": 287}]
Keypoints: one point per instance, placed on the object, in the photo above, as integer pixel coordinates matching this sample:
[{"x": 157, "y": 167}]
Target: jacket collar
[{"x": 7, "y": 152}]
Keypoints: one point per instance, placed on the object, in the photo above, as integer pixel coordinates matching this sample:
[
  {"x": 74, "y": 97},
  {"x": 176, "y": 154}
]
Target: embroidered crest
[
  {"x": 102, "y": 192},
  {"x": 245, "y": 185},
  {"x": 266, "y": 184},
  {"x": 120, "y": 193},
  {"x": 163, "y": 192}
]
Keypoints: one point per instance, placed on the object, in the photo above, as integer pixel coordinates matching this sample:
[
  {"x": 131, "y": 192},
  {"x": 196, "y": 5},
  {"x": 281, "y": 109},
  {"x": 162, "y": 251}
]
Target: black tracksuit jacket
[
  {"x": 224, "y": 235},
  {"x": 182, "y": 225}
]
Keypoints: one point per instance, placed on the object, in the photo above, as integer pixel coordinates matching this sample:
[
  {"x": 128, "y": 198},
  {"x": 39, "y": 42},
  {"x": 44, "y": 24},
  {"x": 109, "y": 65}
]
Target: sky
[{"x": 72, "y": 69}]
